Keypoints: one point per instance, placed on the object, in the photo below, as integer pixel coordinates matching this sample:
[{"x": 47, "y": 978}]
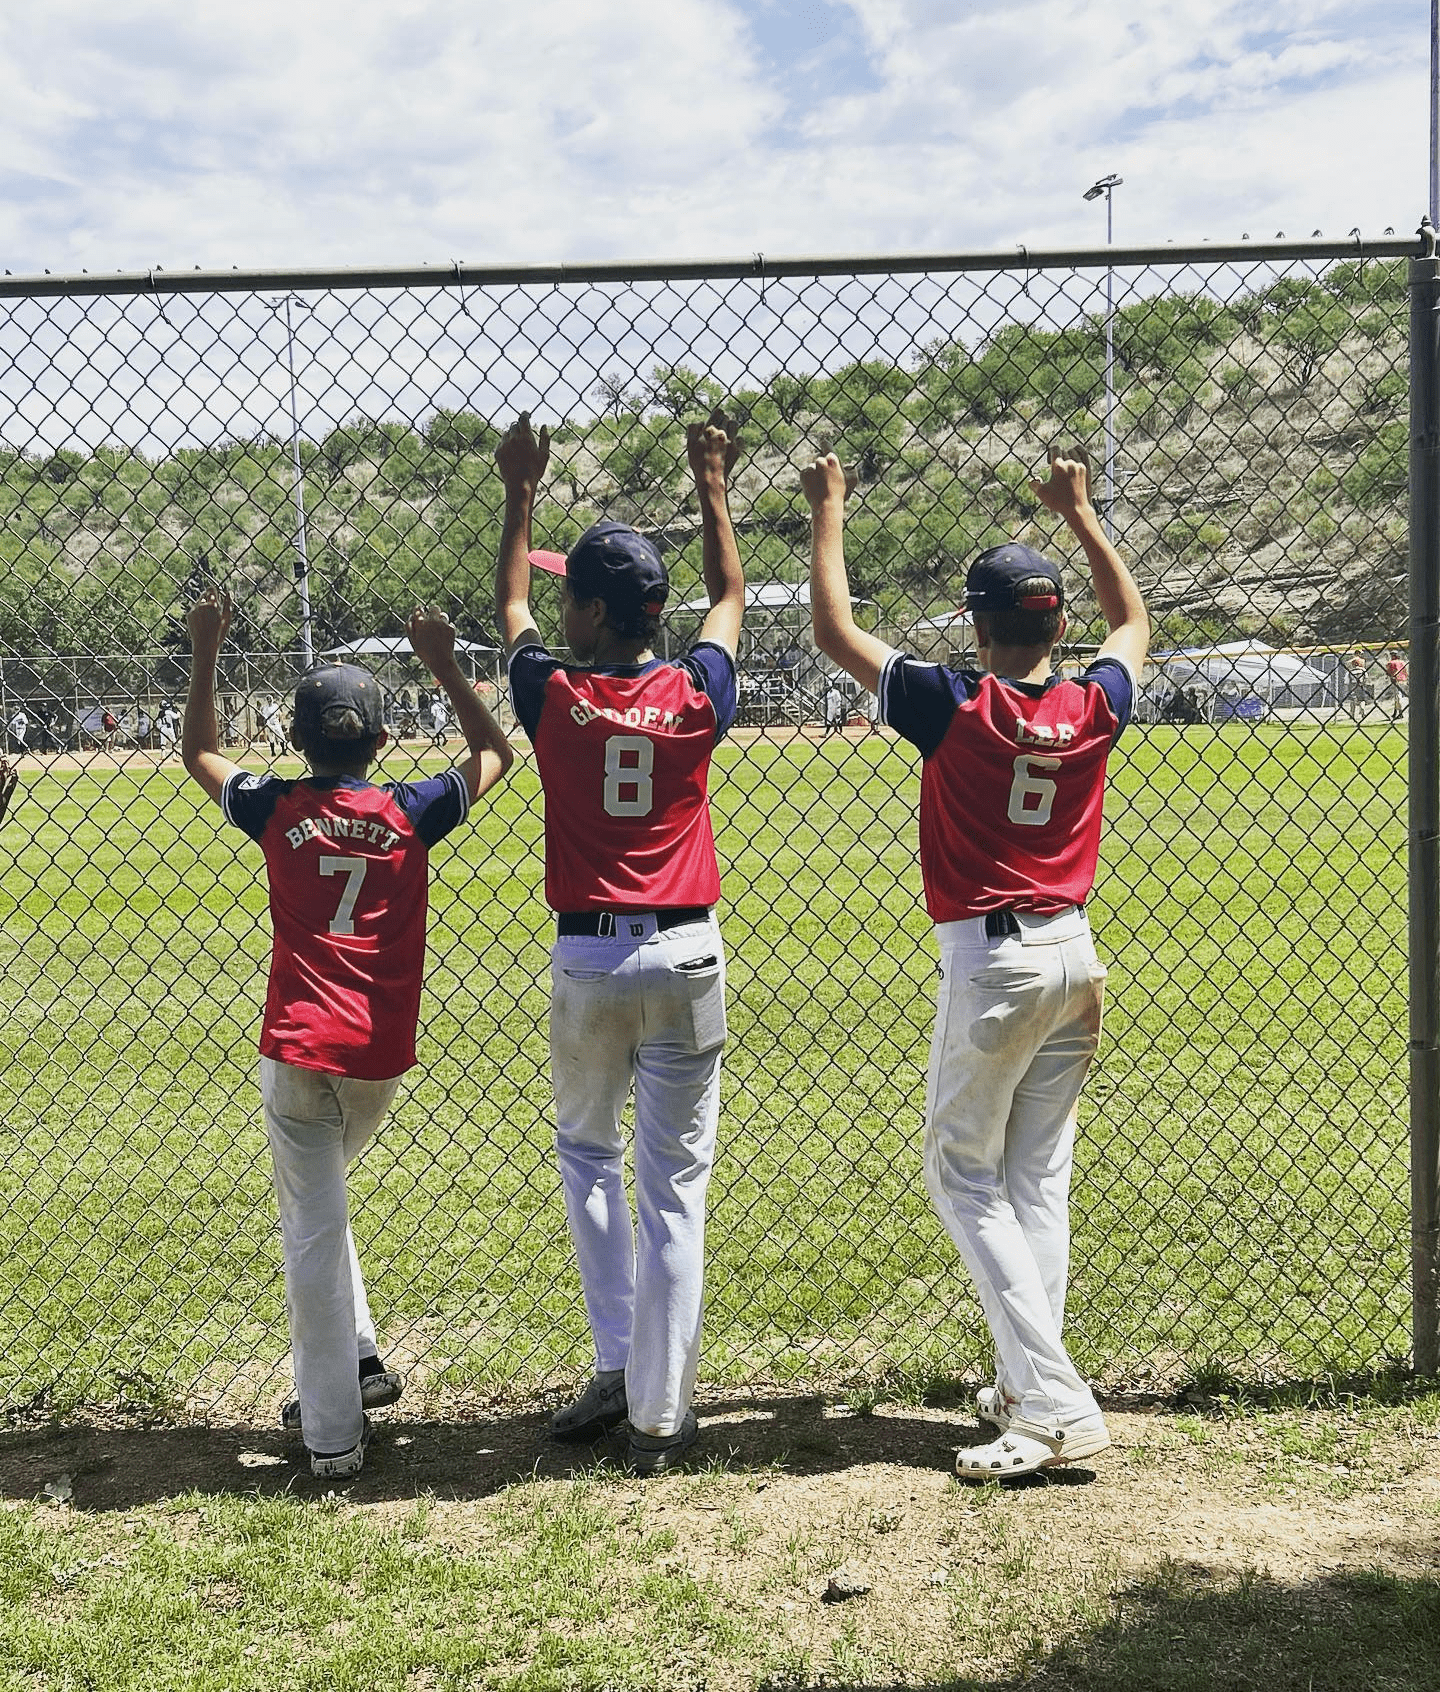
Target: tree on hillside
[
  {"x": 615, "y": 393},
  {"x": 682, "y": 392},
  {"x": 461, "y": 433},
  {"x": 1303, "y": 324},
  {"x": 1161, "y": 337}
]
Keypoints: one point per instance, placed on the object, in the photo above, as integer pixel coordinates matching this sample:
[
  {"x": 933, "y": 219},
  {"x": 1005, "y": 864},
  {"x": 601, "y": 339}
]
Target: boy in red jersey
[
  {"x": 623, "y": 742},
  {"x": 347, "y": 864},
  {"x": 1011, "y": 792}
]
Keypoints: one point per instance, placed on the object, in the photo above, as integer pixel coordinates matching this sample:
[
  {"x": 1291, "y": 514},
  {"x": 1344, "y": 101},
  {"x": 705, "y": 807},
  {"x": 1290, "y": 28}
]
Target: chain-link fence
[{"x": 1242, "y": 1185}]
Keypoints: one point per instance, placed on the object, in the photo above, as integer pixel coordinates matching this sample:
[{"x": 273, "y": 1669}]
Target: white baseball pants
[
  {"x": 318, "y": 1125},
  {"x": 1016, "y": 1025},
  {"x": 647, "y": 1010}
]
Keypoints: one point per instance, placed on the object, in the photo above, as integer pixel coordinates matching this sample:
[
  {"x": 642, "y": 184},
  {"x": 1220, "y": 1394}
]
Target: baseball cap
[
  {"x": 340, "y": 701},
  {"x": 996, "y": 577},
  {"x": 616, "y": 563}
]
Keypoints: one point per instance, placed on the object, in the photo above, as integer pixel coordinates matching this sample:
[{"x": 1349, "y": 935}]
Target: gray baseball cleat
[
  {"x": 653, "y": 1454},
  {"x": 599, "y": 1408}
]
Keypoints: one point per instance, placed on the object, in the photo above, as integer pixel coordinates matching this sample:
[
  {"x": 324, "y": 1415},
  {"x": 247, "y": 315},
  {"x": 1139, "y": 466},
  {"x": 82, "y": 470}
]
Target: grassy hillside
[{"x": 1261, "y": 471}]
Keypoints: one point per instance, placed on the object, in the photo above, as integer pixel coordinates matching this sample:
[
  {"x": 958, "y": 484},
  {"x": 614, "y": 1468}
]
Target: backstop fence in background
[{"x": 322, "y": 443}]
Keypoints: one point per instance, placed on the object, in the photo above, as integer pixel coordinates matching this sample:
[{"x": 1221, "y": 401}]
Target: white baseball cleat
[
  {"x": 341, "y": 1465},
  {"x": 1026, "y": 1447}
]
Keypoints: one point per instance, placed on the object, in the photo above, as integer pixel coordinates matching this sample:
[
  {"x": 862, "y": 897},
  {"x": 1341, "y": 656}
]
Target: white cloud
[{"x": 366, "y": 131}]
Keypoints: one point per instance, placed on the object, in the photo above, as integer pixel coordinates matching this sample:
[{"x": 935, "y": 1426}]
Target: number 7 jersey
[
  {"x": 624, "y": 759},
  {"x": 1013, "y": 782},
  {"x": 348, "y": 866}
]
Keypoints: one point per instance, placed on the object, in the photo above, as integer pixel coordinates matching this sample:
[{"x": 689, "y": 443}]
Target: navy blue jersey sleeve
[
  {"x": 918, "y": 700},
  {"x": 248, "y": 800},
  {"x": 713, "y": 670},
  {"x": 433, "y": 806},
  {"x": 1113, "y": 677},
  {"x": 530, "y": 668}
]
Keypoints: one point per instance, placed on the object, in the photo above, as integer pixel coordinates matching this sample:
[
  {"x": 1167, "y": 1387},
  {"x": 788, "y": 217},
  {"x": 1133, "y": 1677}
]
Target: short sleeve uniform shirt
[
  {"x": 1012, "y": 783},
  {"x": 348, "y": 866},
  {"x": 624, "y": 758}
]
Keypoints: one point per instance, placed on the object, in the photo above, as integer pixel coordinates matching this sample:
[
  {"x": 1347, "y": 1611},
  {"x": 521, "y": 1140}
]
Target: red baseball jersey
[
  {"x": 1013, "y": 781},
  {"x": 624, "y": 759},
  {"x": 348, "y": 865}
]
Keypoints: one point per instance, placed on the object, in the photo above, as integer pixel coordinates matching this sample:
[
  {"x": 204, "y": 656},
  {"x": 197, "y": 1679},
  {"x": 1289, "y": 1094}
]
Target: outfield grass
[{"x": 1242, "y": 1182}]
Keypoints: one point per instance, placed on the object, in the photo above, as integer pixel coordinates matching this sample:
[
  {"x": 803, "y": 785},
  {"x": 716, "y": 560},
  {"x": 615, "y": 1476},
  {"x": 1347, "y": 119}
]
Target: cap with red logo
[
  {"x": 1013, "y": 578},
  {"x": 616, "y": 563}
]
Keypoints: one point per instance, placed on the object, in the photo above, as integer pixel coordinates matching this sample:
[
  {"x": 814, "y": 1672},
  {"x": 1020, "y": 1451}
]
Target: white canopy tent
[
  {"x": 392, "y": 646},
  {"x": 764, "y": 596},
  {"x": 396, "y": 649},
  {"x": 1261, "y": 668}
]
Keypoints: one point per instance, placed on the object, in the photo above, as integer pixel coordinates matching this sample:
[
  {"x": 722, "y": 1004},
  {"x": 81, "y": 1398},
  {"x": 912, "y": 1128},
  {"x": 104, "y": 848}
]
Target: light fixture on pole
[
  {"x": 1106, "y": 186},
  {"x": 288, "y": 302}
]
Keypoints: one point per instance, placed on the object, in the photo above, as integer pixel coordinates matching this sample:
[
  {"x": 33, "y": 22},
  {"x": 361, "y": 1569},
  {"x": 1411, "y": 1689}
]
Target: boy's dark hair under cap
[
  {"x": 616, "y": 563},
  {"x": 340, "y": 702},
  {"x": 1014, "y": 578}
]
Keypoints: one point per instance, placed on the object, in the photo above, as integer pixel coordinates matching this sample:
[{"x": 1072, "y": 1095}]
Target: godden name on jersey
[{"x": 584, "y": 711}]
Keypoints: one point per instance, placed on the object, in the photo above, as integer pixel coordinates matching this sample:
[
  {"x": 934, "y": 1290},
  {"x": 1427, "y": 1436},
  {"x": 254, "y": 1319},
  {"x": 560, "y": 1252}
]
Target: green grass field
[{"x": 1242, "y": 1183}]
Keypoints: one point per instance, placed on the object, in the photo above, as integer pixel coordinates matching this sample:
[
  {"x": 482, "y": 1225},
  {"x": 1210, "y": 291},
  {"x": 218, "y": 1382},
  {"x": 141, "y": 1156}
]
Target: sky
[{"x": 349, "y": 132}]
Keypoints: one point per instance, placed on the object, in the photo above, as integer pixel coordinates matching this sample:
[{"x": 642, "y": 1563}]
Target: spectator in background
[
  {"x": 834, "y": 707},
  {"x": 1397, "y": 673},
  {"x": 167, "y": 727},
  {"x": 273, "y": 727},
  {"x": 9, "y": 775},
  {"x": 1357, "y": 686},
  {"x": 18, "y": 729}
]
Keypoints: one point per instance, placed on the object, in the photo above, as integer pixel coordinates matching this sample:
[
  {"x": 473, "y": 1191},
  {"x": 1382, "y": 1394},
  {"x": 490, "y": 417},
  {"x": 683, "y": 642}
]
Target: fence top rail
[{"x": 758, "y": 266}]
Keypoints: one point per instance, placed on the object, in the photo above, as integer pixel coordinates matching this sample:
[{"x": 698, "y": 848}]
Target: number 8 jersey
[
  {"x": 348, "y": 864},
  {"x": 624, "y": 759},
  {"x": 1013, "y": 781}
]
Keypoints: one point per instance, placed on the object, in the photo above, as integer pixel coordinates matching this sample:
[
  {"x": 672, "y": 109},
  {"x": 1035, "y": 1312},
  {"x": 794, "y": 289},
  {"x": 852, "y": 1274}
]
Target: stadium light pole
[
  {"x": 1435, "y": 112},
  {"x": 1106, "y": 186},
  {"x": 302, "y": 554}
]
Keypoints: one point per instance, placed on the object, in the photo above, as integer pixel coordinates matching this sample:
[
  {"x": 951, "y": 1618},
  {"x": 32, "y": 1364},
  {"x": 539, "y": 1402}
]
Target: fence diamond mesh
[{"x": 325, "y": 451}]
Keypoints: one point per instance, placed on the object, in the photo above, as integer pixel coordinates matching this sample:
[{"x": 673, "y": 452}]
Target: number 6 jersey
[
  {"x": 624, "y": 757},
  {"x": 348, "y": 864},
  {"x": 1013, "y": 781}
]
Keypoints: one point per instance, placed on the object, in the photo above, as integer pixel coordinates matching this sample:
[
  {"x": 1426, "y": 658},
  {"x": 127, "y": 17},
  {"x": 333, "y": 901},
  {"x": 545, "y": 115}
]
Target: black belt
[
  {"x": 1000, "y": 924},
  {"x": 602, "y": 925}
]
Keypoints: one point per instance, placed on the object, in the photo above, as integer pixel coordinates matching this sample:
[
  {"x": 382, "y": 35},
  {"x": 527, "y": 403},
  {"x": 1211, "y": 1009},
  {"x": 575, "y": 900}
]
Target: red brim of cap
[
  {"x": 554, "y": 562},
  {"x": 1038, "y": 602}
]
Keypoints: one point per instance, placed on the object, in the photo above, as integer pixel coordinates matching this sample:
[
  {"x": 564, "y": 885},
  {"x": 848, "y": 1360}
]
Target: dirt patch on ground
[
  {"x": 1295, "y": 1493},
  {"x": 839, "y": 1537}
]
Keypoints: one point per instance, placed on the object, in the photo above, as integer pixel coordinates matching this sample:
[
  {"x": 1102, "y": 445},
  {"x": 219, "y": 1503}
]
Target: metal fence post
[{"x": 1425, "y": 801}]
